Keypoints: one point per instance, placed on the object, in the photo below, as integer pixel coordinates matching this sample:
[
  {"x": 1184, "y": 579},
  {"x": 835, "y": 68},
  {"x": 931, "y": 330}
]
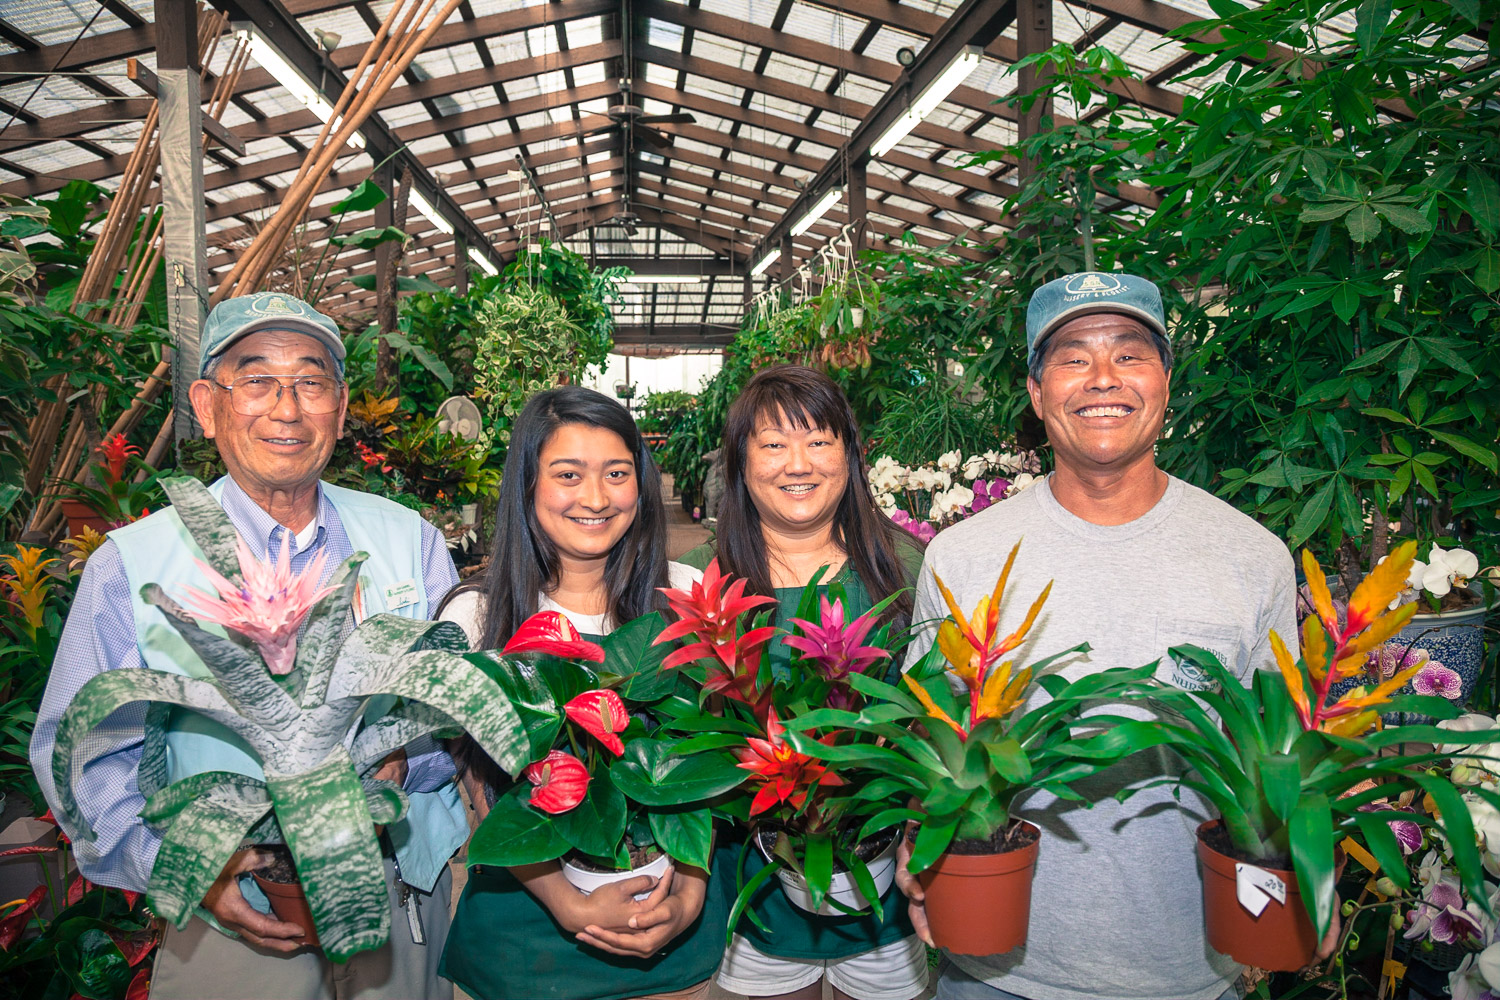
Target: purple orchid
[
  {"x": 1441, "y": 915},
  {"x": 1434, "y": 678},
  {"x": 1305, "y": 607},
  {"x": 835, "y": 646},
  {"x": 1408, "y": 832},
  {"x": 1394, "y": 657},
  {"x": 921, "y": 529}
]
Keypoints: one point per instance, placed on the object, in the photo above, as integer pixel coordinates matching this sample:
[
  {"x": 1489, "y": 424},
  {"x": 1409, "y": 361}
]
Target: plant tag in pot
[{"x": 1255, "y": 887}]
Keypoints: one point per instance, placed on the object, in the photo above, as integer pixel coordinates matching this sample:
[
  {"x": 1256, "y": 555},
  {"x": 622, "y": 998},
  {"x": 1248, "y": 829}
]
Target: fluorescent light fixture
[
  {"x": 273, "y": 62},
  {"x": 664, "y": 279},
  {"x": 927, "y": 101},
  {"x": 820, "y": 209},
  {"x": 482, "y": 261},
  {"x": 428, "y": 209},
  {"x": 765, "y": 262}
]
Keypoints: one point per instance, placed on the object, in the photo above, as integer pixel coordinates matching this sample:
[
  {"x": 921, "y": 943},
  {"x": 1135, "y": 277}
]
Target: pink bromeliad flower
[
  {"x": 267, "y": 606},
  {"x": 835, "y": 646}
]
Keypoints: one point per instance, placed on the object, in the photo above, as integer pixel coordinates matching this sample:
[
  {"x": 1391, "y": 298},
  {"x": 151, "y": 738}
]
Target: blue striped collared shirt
[{"x": 100, "y": 635}]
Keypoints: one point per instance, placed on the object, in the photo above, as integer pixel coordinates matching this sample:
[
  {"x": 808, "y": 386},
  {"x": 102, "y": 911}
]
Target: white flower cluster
[
  {"x": 1442, "y": 572},
  {"x": 950, "y": 482}
]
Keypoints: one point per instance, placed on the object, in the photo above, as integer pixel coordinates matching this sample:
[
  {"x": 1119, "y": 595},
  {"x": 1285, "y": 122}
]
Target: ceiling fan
[{"x": 636, "y": 124}]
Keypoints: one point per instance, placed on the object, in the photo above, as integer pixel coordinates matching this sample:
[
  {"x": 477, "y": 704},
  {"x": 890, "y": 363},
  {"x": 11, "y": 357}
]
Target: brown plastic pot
[
  {"x": 1281, "y": 939},
  {"x": 289, "y": 903},
  {"x": 980, "y": 904},
  {"x": 79, "y": 515}
]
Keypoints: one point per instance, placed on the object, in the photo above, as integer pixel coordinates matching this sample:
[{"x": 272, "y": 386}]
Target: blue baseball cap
[
  {"x": 1091, "y": 292},
  {"x": 246, "y": 314}
]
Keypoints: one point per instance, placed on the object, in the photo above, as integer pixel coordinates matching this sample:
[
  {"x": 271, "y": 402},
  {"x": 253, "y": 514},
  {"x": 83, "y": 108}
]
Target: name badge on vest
[{"x": 401, "y": 595}]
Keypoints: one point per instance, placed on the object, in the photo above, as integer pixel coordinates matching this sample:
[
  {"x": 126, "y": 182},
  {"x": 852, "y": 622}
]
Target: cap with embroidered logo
[
  {"x": 246, "y": 314},
  {"x": 1089, "y": 293}
]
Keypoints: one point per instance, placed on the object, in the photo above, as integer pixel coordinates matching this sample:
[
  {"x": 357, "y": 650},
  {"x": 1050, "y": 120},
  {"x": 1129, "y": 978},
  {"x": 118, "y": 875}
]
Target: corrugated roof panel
[
  {"x": 663, "y": 34},
  {"x": 799, "y": 71}
]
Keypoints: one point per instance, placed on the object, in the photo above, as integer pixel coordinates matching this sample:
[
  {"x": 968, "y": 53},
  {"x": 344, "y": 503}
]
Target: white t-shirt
[{"x": 467, "y": 608}]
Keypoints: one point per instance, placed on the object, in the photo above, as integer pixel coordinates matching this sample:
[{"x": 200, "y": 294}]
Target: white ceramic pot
[
  {"x": 586, "y": 881},
  {"x": 843, "y": 887},
  {"x": 857, "y": 316}
]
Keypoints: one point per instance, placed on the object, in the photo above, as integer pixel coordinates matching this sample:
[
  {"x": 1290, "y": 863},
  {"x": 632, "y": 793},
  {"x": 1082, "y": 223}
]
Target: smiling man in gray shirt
[{"x": 1141, "y": 562}]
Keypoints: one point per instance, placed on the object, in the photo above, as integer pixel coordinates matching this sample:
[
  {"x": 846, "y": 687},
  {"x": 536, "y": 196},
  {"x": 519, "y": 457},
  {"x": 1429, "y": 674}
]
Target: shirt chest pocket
[{"x": 1224, "y": 641}]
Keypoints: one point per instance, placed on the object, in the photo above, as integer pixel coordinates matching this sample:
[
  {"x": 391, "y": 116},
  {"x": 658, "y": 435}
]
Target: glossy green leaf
[
  {"x": 1312, "y": 840},
  {"x": 652, "y": 774},
  {"x": 685, "y": 834},
  {"x": 365, "y": 196},
  {"x": 515, "y": 834}
]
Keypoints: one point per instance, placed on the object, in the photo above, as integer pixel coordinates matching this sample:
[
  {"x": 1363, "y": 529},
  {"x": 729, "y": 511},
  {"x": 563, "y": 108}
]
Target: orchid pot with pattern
[
  {"x": 318, "y": 711},
  {"x": 1293, "y": 767},
  {"x": 605, "y": 779}
]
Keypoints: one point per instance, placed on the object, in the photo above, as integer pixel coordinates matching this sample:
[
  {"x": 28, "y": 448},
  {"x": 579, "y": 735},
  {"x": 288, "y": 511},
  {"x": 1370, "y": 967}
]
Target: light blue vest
[{"x": 159, "y": 549}]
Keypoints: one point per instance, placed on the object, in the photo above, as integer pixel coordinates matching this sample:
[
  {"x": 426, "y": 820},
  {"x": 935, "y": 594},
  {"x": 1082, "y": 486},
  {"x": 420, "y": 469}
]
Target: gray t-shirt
[{"x": 1116, "y": 908}]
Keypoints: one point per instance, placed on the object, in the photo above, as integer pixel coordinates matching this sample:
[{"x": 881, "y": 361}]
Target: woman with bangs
[
  {"x": 796, "y": 499},
  {"x": 581, "y": 530}
]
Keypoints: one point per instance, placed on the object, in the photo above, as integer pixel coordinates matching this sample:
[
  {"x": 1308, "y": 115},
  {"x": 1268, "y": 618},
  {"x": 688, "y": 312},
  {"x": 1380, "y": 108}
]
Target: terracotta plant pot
[
  {"x": 980, "y": 904},
  {"x": 80, "y": 515},
  {"x": 289, "y": 903},
  {"x": 1281, "y": 939}
]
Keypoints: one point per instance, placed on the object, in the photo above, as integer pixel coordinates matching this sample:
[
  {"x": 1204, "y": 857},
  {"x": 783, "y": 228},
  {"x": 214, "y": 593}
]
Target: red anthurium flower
[
  {"x": 17, "y": 914},
  {"x": 603, "y": 714},
  {"x": 786, "y": 775},
  {"x": 561, "y": 782},
  {"x": 552, "y": 633},
  {"x": 834, "y": 646}
]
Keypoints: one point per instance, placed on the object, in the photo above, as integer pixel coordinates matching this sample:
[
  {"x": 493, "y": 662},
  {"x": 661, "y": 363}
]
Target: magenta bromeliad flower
[
  {"x": 267, "y": 606},
  {"x": 835, "y": 646}
]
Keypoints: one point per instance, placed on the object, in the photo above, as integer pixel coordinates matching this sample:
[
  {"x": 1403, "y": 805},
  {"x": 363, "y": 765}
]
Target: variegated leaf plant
[{"x": 319, "y": 732}]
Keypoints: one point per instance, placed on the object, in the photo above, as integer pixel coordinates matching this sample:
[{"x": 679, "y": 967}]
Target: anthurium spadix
[{"x": 319, "y": 732}]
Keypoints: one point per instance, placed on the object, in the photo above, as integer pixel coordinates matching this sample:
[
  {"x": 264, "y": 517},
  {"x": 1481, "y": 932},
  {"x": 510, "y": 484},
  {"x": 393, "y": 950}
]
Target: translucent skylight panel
[
  {"x": 588, "y": 73},
  {"x": 405, "y": 114},
  {"x": 430, "y": 144},
  {"x": 780, "y": 106},
  {"x": 49, "y": 157},
  {"x": 450, "y": 60},
  {"x": 997, "y": 132},
  {"x": 929, "y": 183},
  {"x": 717, "y": 48},
  {"x": 862, "y": 89},
  {"x": 276, "y": 100},
  {"x": 694, "y": 146},
  {"x": 1144, "y": 51},
  {"x": 57, "y": 95},
  {"x": 661, "y": 75},
  {"x": 663, "y": 34},
  {"x": 585, "y": 31},
  {"x": 798, "y": 71}
]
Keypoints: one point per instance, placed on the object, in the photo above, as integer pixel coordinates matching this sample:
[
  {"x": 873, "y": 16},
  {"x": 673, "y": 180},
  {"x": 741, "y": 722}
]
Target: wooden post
[
  {"x": 859, "y": 215},
  {"x": 180, "y": 99},
  {"x": 1033, "y": 34},
  {"x": 390, "y": 212},
  {"x": 460, "y": 266},
  {"x": 787, "y": 267}
]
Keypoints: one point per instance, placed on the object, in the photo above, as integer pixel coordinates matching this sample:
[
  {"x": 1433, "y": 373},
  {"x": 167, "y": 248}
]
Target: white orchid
[
  {"x": 1486, "y": 820},
  {"x": 950, "y": 501},
  {"x": 1023, "y": 481},
  {"x": 928, "y": 478},
  {"x": 975, "y": 466},
  {"x": 1446, "y": 570},
  {"x": 950, "y": 461},
  {"x": 886, "y": 502}
]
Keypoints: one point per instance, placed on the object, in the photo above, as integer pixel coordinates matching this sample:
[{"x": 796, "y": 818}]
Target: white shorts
[{"x": 896, "y": 971}]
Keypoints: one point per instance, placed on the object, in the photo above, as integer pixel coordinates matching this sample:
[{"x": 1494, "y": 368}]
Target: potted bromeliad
[
  {"x": 308, "y": 709},
  {"x": 817, "y": 825},
  {"x": 1293, "y": 769},
  {"x": 961, "y": 759},
  {"x": 608, "y": 790}
]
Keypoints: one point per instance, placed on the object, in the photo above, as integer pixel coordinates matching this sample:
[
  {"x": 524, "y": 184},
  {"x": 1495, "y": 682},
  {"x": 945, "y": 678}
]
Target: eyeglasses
[{"x": 257, "y": 395}]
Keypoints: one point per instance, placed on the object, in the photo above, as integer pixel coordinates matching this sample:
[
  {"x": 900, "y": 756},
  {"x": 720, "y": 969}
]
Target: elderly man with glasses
[{"x": 271, "y": 394}]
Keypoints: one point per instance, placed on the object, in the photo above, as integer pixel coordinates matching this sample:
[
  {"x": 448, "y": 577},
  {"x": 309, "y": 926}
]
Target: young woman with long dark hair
[
  {"x": 797, "y": 498},
  {"x": 580, "y": 529}
]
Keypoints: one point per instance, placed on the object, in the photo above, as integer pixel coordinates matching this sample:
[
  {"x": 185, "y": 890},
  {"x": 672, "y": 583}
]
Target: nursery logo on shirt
[
  {"x": 1181, "y": 672},
  {"x": 1093, "y": 284}
]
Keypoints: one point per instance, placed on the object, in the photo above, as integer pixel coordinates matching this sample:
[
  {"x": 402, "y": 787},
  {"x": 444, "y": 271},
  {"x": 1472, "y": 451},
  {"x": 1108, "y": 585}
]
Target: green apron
[
  {"x": 504, "y": 944},
  {"x": 792, "y": 932}
]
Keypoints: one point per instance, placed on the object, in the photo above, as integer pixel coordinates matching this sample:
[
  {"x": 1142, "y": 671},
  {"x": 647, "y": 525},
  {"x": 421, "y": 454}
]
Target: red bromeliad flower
[
  {"x": 786, "y": 775},
  {"x": 552, "y": 633},
  {"x": 561, "y": 782},
  {"x": 710, "y": 612},
  {"x": 115, "y": 450},
  {"x": 603, "y": 714}
]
